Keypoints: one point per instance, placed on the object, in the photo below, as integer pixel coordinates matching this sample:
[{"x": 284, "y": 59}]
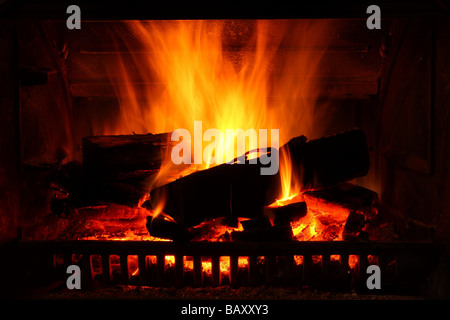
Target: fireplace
[{"x": 90, "y": 179}]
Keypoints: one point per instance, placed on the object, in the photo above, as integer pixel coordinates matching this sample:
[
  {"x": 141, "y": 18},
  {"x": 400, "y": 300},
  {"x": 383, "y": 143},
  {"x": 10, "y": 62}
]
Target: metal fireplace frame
[{"x": 403, "y": 265}]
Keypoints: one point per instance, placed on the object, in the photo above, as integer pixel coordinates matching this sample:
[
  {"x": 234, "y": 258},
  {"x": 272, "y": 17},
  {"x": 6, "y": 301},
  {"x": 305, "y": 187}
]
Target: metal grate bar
[{"x": 278, "y": 267}]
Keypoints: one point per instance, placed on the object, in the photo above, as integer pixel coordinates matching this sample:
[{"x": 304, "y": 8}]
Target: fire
[
  {"x": 229, "y": 75},
  {"x": 290, "y": 186},
  {"x": 195, "y": 74},
  {"x": 323, "y": 221},
  {"x": 201, "y": 77}
]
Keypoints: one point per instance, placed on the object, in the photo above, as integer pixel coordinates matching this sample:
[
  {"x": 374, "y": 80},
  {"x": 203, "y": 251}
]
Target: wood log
[
  {"x": 353, "y": 228},
  {"x": 222, "y": 191},
  {"x": 161, "y": 227},
  {"x": 119, "y": 168},
  {"x": 240, "y": 190},
  {"x": 118, "y": 189},
  {"x": 107, "y": 155},
  {"x": 123, "y": 189},
  {"x": 331, "y": 160},
  {"x": 284, "y": 215}
]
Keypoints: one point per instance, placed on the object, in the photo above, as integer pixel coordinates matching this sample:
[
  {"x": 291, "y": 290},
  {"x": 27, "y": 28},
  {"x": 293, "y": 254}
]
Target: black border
[
  {"x": 278, "y": 309},
  {"x": 161, "y": 9}
]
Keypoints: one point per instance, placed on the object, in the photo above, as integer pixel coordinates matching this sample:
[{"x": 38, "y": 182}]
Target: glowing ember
[
  {"x": 324, "y": 223},
  {"x": 212, "y": 230},
  {"x": 133, "y": 265},
  {"x": 225, "y": 266},
  {"x": 188, "y": 263},
  {"x": 298, "y": 260},
  {"x": 243, "y": 262},
  {"x": 169, "y": 261},
  {"x": 112, "y": 227},
  {"x": 206, "y": 266},
  {"x": 353, "y": 261}
]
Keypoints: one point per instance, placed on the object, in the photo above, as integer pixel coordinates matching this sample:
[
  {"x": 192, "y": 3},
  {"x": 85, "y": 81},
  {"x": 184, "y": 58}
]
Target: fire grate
[{"x": 322, "y": 264}]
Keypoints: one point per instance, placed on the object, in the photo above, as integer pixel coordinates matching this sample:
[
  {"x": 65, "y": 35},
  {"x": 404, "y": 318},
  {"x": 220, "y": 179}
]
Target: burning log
[
  {"x": 354, "y": 225},
  {"x": 347, "y": 196},
  {"x": 241, "y": 190},
  {"x": 222, "y": 191},
  {"x": 163, "y": 227},
  {"x": 284, "y": 215}
]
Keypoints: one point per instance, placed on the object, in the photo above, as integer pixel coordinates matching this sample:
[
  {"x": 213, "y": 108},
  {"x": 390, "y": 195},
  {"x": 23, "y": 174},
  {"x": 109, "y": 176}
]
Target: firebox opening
[{"x": 362, "y": 147}]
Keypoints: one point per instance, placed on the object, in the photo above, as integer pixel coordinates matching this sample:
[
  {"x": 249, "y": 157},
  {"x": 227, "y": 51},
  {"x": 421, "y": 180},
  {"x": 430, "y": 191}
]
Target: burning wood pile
[
  {"x": 228, "y": 202},
  {"x": 229, "y": 192}
]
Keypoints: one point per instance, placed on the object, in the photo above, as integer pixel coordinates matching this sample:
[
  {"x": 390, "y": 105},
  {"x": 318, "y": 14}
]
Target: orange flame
[{"x": 190, "y": 75}]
